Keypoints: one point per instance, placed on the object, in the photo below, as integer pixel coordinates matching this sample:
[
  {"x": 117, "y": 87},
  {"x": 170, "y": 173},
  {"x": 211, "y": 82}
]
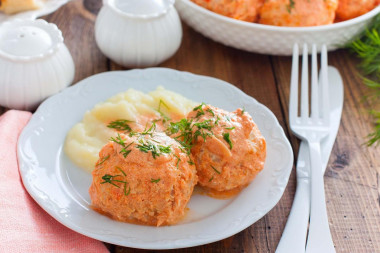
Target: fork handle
[
  {"x": 319, "y": 238},
  {"x": 293, "y": 238}
]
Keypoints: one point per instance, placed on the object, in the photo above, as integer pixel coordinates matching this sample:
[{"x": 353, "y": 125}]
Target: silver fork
[{"x": 312, "y": 129}]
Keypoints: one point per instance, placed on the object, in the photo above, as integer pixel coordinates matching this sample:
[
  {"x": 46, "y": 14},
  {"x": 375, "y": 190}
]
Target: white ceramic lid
[
  {"x": 29, "y": 39},
  {"x": 140, "y": 8}
]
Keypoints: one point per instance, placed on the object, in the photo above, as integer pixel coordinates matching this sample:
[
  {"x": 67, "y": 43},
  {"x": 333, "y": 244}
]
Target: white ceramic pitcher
[{"x": 138, "y": 33}]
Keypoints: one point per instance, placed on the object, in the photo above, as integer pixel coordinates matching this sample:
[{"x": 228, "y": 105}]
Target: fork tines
[{"x": 319, "y": 86}]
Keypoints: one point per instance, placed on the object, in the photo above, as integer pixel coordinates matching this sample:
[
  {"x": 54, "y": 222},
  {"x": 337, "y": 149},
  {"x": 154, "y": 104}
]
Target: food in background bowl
[
  {"x": 145, "y": 178},
  {"x": 15, "y": 6},
  {"x": 246, "y": 10},
  {"x": 268, "y": 39},
  {"x": 293, "y": 13},
  {"x": 348, "y": 9},
  {"x": 298, "y": 12}
]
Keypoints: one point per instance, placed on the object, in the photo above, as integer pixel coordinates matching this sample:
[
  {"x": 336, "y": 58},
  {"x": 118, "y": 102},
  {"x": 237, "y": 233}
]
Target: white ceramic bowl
[
  {"x": 34, "y": 63},
  {"x": 138, "y": 33},
  {"x": 266, "y": 39}
]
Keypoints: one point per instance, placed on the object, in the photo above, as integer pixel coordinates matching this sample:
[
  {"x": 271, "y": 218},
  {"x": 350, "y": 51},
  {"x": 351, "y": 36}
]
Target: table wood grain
[{"x": 352, "y": 179}]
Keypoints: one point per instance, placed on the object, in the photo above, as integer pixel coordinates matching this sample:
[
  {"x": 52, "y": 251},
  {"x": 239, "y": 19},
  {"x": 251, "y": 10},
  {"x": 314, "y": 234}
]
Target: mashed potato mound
[
  {"x": 85, "y": 139},
  {"x": 143, "y": 178}
]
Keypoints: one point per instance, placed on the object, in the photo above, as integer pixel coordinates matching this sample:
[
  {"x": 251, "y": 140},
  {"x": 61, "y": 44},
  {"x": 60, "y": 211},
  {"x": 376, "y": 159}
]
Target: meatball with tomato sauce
[
  {"x": 298, "y": 12},
  {"x": 228, "y": 148},
  {"x": 246, "y": 10},
  {"x": 143, "y": 178}
]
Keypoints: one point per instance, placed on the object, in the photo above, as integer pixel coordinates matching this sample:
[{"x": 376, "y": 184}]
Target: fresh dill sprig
[
  {"x": 374, "y": 137},
  {"x": 152, "y": 180},
  {"x": 120, "y": 124},
  {"x": 367, "y": 47}
]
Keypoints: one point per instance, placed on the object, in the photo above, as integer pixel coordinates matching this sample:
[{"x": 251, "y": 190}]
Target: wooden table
[{"x": 352, "y": 179}]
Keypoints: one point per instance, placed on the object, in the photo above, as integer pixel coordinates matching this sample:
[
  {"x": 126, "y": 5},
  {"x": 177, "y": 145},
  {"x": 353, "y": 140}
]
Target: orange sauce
[
  {"x": 152, "y": 222},
  {"x": 217, "y": 194}
]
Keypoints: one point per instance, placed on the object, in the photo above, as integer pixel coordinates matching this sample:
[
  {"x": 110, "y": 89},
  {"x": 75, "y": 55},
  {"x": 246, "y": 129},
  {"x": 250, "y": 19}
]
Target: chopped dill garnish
[
  {"x": 226, "y": 137},
  {"x": 129, "y": 191},
  {"x": 229, "y": 128},
  {"x": 107, "y": 178},
  {"x": 156, "y": 149},
  {"x": 150, "y": 131},
  {"x": 147, "y": 131},
  {"x": 211, "y": 111},
  {"x": 152, "y": 180},
  {"x": 217, "y": 120},
  {"x": 103, "y": 160},
  {"x": 202, "y": 126},
  {"x": 164, "y": 117},
  {"x": 118, "y": 140},
  {"x": 217, "y": 171},
  {"x": 200, "y": 110},
  {"x": 122, "y": 171},
  {"x": 227, "y": 117},
  {"x": 243, "y": 111},
  {"x": 121, "y": 125},
  {"x": 125, "y": 151},
  {"x": 211, "y": 179},
  {"x": 185, "y": 137},
  {"x": 290, "y": 6},
  {"x": 190, "y": 162},
  {"x": 178, "y": 160},
  {"x": 162, "y": 103}
]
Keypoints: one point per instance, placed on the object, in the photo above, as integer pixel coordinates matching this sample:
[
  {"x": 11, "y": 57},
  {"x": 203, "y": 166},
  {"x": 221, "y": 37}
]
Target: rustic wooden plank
[{"x": 351, "y": 179}]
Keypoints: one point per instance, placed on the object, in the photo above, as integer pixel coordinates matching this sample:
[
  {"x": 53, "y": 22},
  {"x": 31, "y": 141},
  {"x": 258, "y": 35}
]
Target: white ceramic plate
[
  {"x": 48, "y": 7},
  {"x": 267, "y": 39},
  {"x": 61, "y": 188}
]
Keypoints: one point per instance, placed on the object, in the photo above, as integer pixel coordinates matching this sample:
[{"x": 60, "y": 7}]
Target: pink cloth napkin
[{"x": 24, "y": 225}]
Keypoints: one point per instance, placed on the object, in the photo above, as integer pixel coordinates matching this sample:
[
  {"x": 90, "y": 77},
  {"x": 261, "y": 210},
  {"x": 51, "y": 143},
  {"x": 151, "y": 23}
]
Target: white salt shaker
[
  {"x": 138, "y": 33},
  {"x": 34, "y": 63}
]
